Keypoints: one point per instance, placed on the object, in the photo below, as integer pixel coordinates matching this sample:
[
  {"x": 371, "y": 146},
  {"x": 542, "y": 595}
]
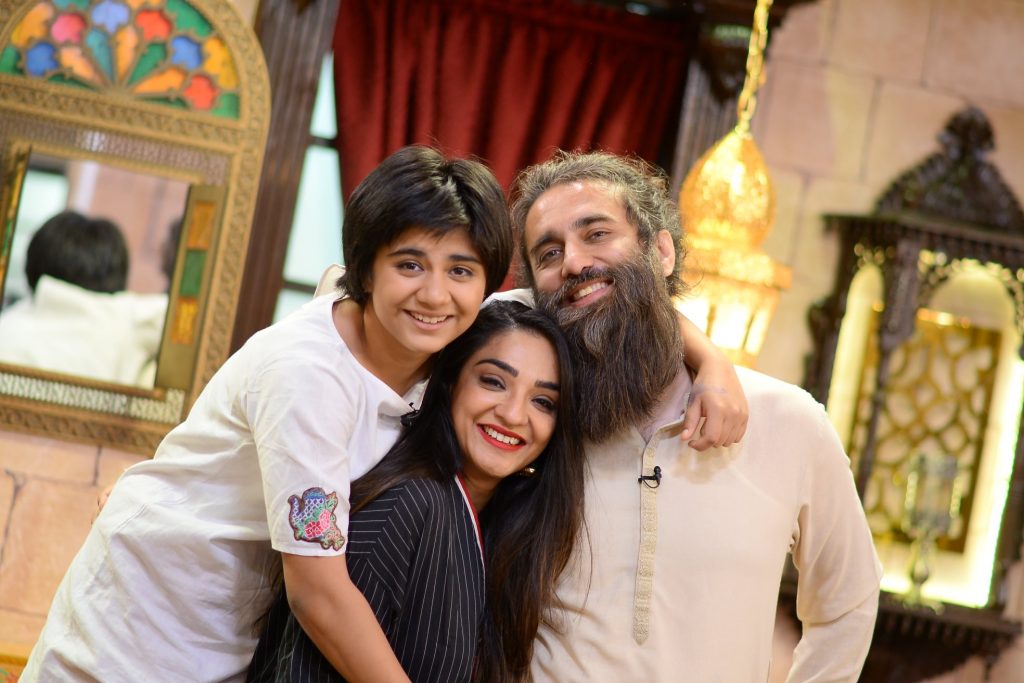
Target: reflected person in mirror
[{"x": 79, "y": 320}]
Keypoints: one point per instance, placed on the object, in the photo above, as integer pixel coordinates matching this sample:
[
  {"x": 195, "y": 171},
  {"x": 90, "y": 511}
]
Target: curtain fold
[{"x": 507, "y": 81}]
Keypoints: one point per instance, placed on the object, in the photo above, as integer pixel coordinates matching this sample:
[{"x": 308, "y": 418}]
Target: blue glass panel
[
  {"x": 40, "y": 59},
  {"x": 110, "y": 15},
  {"x": 186, "y": 52}
]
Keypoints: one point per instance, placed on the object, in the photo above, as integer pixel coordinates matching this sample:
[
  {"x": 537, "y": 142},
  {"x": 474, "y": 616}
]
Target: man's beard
[{"x": 626, "y": 345}]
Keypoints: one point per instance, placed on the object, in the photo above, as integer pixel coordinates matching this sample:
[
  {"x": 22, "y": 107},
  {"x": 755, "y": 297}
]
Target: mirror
[
  {"x": 100, "y": 269},
  {"x": 150, "y": 115}
]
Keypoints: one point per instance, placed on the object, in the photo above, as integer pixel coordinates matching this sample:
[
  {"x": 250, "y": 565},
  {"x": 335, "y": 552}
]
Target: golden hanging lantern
[{"x": 728, "y": 207}]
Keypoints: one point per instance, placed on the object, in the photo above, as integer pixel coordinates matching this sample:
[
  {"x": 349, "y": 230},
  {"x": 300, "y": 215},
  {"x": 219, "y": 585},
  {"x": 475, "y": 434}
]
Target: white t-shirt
[
  {"x": 65, "y": 328},
  {"x": 177, "y": 569}
]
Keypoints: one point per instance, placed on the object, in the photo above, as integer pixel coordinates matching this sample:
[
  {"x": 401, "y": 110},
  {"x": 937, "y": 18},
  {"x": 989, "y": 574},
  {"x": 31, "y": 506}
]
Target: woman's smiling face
[{"x": 504, "y": 406}]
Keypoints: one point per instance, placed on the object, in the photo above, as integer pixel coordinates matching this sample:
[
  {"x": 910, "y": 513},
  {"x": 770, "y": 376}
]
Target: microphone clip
[{"x": 656, "y": 478}]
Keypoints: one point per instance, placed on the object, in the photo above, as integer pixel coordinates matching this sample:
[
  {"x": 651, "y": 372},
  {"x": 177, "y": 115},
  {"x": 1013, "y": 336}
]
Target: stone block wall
[
  {"x": 856, "y": 92},
  {"x": 48, "y": 492}
]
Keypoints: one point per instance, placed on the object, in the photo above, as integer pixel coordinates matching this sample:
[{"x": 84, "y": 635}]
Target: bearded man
[{"x": 678, "y": 573}]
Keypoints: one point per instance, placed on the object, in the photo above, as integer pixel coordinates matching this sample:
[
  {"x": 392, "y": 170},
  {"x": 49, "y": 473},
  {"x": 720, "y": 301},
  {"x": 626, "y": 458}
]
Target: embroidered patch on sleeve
[{"x": 312, "y": 518}]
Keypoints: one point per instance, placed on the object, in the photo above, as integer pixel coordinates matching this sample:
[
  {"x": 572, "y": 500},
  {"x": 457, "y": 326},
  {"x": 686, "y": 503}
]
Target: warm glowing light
[
  {"x": 728, "y": 208},
  {"x": 976, "y": 295}
]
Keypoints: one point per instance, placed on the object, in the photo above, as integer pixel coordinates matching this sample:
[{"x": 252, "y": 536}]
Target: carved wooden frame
[
  {"x": 222, "y": 152},
  {"x": 953, "y": 203}
]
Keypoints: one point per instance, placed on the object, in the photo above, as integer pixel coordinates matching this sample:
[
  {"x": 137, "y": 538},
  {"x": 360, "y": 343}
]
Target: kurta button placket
[{"x": 648, "y": 543}]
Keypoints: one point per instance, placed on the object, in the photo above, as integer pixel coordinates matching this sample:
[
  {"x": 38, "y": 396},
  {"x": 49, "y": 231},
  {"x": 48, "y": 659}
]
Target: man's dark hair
[
  {"x": 641, "y": 187},
  {"x": 88, "y": 252},
  {"x": 418, "y": 187}
]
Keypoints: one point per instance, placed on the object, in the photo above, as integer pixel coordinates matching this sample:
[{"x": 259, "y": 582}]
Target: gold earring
[{"x": 527, "y": 471}]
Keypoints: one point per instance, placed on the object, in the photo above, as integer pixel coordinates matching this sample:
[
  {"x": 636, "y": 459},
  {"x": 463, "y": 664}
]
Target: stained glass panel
[{"x": 164, "y": 51}]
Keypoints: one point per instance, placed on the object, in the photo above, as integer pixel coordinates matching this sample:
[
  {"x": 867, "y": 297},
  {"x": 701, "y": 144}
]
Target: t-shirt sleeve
[
  {"x": 302, "y": 414},
  {"x": 522, "y": 295}
]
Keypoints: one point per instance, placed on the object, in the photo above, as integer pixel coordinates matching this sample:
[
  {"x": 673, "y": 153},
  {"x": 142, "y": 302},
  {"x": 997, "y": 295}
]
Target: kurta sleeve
[
  {"x": 302, "y": 413},
  {"x": 837, "y": 590}
]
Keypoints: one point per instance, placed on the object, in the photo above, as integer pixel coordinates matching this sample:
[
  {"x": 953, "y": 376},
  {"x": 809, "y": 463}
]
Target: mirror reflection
[{"x": 93, "y": 251}]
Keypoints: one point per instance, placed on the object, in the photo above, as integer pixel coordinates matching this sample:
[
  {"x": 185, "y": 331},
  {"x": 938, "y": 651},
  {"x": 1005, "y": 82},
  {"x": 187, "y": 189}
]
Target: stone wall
[
  {"x": 48, "y": 492},
  {"x": 856, "y": 92}
]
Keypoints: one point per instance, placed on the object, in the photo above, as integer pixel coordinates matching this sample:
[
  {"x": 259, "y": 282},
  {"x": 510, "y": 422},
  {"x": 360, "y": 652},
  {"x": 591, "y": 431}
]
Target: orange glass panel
[
  {"x": 33, "y": 26},
  {"x": 126, "y": 42},
  {"x": 163, "y": 82},
  {"x": 72, "y": 58}
]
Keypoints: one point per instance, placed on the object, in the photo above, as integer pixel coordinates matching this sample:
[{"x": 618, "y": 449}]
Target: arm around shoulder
[
  {"x": 717, "y": 394},
  {"x": 338, "y": 619}
]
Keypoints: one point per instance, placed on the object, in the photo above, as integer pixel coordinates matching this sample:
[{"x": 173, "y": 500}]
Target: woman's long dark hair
[{"x": 531, "y": 523}]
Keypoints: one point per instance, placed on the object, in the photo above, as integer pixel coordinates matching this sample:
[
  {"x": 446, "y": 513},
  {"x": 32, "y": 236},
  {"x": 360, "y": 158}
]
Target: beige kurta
[{"x": 680, "y": 583}]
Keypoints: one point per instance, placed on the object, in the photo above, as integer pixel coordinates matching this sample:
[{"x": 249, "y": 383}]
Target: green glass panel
[
  {"x": 64, "y": 80},
  {"x": 5, "y": 243},
  {"x": 192, "y": 273},
  {"x": 66, "y": 4},
  {"x": 187, "y": 18},
  {"x": 100, "y": 48},
  {"x": 9, "y": 61},
  {"x": 227, "y": 105},
  {"x": 175, "y": 102},
  {"x": 154, "y": 56}
]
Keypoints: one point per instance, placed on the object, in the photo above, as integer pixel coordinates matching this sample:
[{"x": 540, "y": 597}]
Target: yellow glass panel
[
  {"x": 72, "y": 58},
  {"x": 169, "y": 80},
  {"x": 126, "y": 43},
  {"x": 219, "y": 63},
  {"x": 136, "y": 4},
  {"x": 200, "y": 232},
  {"x": 183, "y": 330},
  {"x": 33, "y": 26}
]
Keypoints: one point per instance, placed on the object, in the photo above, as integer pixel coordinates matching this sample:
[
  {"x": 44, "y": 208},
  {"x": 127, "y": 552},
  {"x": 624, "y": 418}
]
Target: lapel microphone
[{"x": 656, "y": 478}]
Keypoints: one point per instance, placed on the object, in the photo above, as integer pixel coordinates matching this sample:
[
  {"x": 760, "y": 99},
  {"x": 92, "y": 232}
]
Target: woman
[{"x": 494, "y": 438}]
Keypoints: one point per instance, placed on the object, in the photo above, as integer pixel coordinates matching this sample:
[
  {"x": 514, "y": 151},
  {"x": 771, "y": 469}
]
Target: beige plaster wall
[{"x": 856, "y": 92}]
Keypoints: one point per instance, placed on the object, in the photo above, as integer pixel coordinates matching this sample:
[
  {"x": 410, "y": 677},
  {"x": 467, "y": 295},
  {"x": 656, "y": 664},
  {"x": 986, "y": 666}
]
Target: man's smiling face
[{"x": 574, "y": 232}]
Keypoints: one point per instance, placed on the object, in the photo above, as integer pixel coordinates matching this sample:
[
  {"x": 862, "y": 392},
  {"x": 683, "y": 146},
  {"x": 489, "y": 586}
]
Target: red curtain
[{"x": 508, "y": 81}]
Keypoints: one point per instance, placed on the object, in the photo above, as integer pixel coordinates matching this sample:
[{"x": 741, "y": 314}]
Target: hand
[
  {"x": 101, "y": 500},
  {"x": 717, "y": 397}
]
